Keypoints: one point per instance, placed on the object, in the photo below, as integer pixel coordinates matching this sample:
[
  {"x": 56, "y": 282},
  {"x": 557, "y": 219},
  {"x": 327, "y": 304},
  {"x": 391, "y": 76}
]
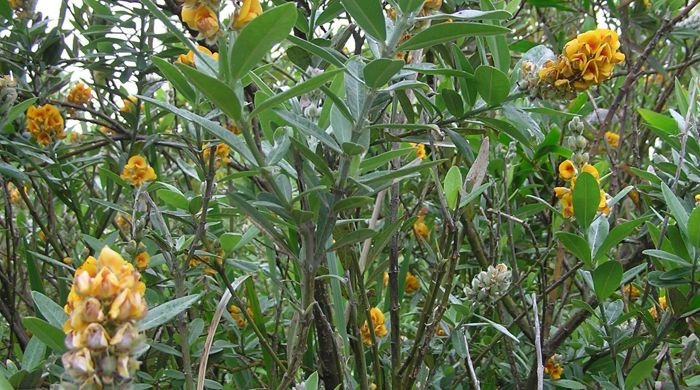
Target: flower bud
[
  {"x": 95, "y": 337},
  {"x": 92, "y": 311},
  {"x": 581, "y": 142},
  {"x": 124, "y": 337}
]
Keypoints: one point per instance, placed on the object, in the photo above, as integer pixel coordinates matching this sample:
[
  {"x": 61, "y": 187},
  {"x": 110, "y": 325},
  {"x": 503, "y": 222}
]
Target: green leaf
[
  {"x": 220, "y": 94},
  {"x": 372, "y": 163},
  {"x": 6, "y": 11},
  {"x": 452, "y": 185},
  {"x": 408, "y": 6},
  {"x": 674, "y": 205},
  {"x": 226, "y": 136},
  {"x": 47, "y": 333},
  {"x": 352, "y": 202},
  {"x": 380, "y": 71},
  {"x": 307, "y": 127},
  {"x": 492, "y": 84},
  {"x": 445, "y": 32},
  {"x": 33, "y": 354},
  {"x": 299, "y": 89},
  {"x": 161, "y": 314},
  {"x": 311, "y": 382},
  {"x": 329, "y": 55},
  {"x": 586, "y": 199},
  {"x": 453, "y": 102},
  {"x": 229, "y": 241},
  {"x": 17, "y": 110},
  {"x": 175, "y": 77},
  {"x": 577, "y": 246},
  {"x": 353, "y": 237},
  {"x": 369, "y": 15},
  {"x": 639, "y": 372},
  {"x": 259, "y": 36},
  {"x": 694, "y": 227},
  {"x": 10, "y": 171},
  {"x": 51, "y": 310},
  {"x": 616, "y": 235},
  {"x": 660, "y": 121},
  {"x": 377, "y": 178},
  {"x": 606, "y": 278},
  {"x": 173, "y": 198},
  {"x": 568, "y": 384}
]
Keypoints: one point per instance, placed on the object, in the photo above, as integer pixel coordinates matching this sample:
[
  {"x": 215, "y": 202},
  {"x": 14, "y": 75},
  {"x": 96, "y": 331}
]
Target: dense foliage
[{"x": 350, "y": 194}]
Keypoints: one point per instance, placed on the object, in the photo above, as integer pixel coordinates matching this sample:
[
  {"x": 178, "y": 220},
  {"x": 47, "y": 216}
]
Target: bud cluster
[
  {"x": 104, "y": 303},
  {"x": 490, "y": 284},
  {"x": 577, "y": 143},
  {"x": 8, "y": 93}
]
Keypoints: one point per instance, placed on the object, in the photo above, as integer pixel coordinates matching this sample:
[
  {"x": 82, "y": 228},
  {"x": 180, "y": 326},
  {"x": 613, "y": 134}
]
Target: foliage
[{"x": 350, "y": 194}]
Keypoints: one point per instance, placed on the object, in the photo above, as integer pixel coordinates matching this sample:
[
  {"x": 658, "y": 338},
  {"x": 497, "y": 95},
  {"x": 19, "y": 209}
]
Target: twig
[{"x": 538, "y": 344}]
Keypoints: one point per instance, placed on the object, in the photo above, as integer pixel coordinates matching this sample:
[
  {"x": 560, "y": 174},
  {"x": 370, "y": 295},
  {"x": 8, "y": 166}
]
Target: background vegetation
[{"x": 350, "y": 194}]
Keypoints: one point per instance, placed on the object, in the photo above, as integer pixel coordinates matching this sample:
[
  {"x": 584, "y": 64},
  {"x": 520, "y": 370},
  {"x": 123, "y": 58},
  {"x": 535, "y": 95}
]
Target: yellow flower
[
  {"x": 230, "y": 126},
  {"x": 697, "y": 198},
  {"x": 560, "y": 192},
  {"x": 432, "y": 5},
  {"x": 420, "y": 150},
  {"x": 202, "y": 19},
  {"x": 128, "y": 104},
  {"x": 588, "y": 168},
  {"x": 238, "y": 316},
  {"x": 67, "y": 260},
  {"x": 188, "y": 59},
  {"x": 377, "y": 318},
  {"x": 593, "y": 55},
  {"x": 630, "y": 291},
  {"x": 440, "y": 332},
  {"x": 137, "y": 171},
  {"x": 44, "y": 123},
  {"x": 221, "y": 154},
  {"x": 603, "y": 203},
  {"x": 123, "y": 221},
  {"x": 567, "y": 170},
  {"x": 249, "y": 10},
  {"x": 553, "y": 368},
  {"x": 104, "y": 304},
  {"x": 79, "y": 94},
  {"x": 412, "y": 285},
  {"x": 421, "y": 229},
  {"x": 567, "y": 205},
  {"x": 662, "y": 304},
  {"x": 612, "y": 138},
  {"x": 142, "y": 260}
]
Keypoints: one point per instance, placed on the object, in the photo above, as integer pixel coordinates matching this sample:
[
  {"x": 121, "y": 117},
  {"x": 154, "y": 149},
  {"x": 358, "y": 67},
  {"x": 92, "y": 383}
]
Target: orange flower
[
  {"x": 630, "y": 291},
  {"x": 588, "y": 168},
  {"x": 137, "y": 171},
  {"x": 202, "y": 19},
  {"x": 593, "y": 55},
  {"x": 188, "y": 59},
  {"x": 567, "y": 170},
  {"x": 79, "y": 94},
  {"x": 221, "y": 154},
  {"x": 377, "y": 318},
  {"x": 44, "y": 123},
  {"x": 249, "y": 10},
  {"x": 142, "y": 260},
  {"x": 613, "y": 139},
  {"x": 420, "y": 150},
  {"x": 411, "y": 284},
  {"x": 553, "y": 368},
  {"x": 567, "y": 203}
]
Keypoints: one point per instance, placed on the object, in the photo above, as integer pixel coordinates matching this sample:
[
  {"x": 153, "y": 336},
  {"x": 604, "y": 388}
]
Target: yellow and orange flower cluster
[
  {"x": 630, "y": 291},
  {"x": 221, "y": 154},
  {"x": 613, "y": 139},
  {"x": 142, "y": 260},
  {"x": 249, "y": 10},
  {"x": 662, "y": 304},
  {"x": 553, "y": 368},
  {"x": 569, "y": 172},
  {"x": 137, "y": 171},
  {"x": 80, "y": 94},
  {"x": 129, "y": 104},
  {"x": 188, "y": 59},
  {"x": 202, "y": 17},
  {"x": 45, "y": 123},
  {"x": 104, "y": 303},
  {"x": 377, "y": 318},
  {"x": 420, "y": 150},
  {"x": 411, "y": 283},
  {"x": 238, "y": 316},
  {"x": 420, "y": 228},
  {"x": 587, "y": 60}
]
